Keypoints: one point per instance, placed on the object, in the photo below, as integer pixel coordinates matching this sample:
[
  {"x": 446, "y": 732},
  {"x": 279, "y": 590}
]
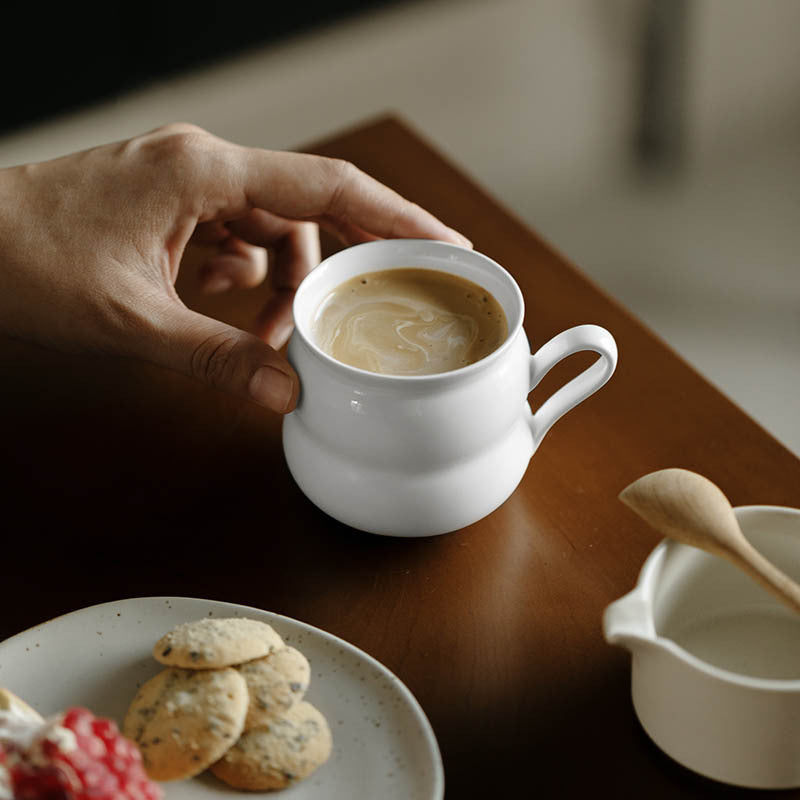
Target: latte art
[
  {"x": 400, "y": 338},
  {"x": 409, "y": 322}
]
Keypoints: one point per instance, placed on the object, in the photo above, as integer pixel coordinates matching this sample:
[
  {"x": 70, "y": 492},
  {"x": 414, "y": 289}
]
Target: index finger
[{"x": 303, "y": 186}]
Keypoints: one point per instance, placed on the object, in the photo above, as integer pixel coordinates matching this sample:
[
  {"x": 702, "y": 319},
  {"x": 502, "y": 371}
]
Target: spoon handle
[{"x": 759, "y": 568}]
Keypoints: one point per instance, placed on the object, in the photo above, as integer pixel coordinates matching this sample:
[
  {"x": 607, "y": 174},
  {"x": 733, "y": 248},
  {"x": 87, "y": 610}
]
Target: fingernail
[
  {"x": 280, "y": 335},
  {"x": 216, "y": 284},
  {"x": 272, "y": 388}
]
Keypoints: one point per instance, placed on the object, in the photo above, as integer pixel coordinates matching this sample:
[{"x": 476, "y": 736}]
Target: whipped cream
[
  {"x": 18, "y": 730},
  {"x": 23, "y": 736}
]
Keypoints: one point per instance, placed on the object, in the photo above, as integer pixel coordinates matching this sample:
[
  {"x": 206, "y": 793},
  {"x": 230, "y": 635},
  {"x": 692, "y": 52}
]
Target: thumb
[{"x": 226, "y": 358}]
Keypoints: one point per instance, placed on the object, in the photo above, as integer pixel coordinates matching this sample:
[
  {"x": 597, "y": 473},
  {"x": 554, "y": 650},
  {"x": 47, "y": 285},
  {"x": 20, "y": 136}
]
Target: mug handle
[{"x": 566, "y": 343}]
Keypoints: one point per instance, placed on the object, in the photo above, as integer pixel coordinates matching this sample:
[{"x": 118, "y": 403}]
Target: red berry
[
  {"x": 78, "y": 720},
  {"x": 102, "y": 766},
  {"x": 106, "y": 729}
]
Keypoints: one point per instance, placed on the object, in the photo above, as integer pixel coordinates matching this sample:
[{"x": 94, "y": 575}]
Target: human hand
[{"x": 91, "y": 244}]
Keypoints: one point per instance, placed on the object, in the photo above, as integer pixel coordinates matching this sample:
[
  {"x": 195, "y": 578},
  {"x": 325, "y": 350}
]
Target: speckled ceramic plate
[{"x": 383, "y": 745}]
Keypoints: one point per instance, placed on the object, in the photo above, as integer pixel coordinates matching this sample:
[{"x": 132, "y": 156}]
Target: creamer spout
[{"x": 628, "y": 621}]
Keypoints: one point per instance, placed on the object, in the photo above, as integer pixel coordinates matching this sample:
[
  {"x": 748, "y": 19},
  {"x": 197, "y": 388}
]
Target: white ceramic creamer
[
  {"x": 715, "y": 672},
  {"x": 425, "y": 454}
]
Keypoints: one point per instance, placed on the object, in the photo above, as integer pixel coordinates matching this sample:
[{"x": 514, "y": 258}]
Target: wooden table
[{"x": 124, "y": 480}]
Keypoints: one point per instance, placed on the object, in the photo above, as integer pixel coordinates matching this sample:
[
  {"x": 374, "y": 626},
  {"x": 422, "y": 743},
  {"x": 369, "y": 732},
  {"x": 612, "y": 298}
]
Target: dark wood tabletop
[{"x": 125, "y": 480}]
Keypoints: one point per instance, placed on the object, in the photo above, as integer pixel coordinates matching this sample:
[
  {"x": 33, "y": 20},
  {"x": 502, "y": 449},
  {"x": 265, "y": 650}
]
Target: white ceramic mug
[{"x": 424, "y": 455}]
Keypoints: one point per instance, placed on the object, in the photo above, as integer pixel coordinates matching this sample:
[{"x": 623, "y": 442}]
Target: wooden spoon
[{"x": 691, "y": 509}]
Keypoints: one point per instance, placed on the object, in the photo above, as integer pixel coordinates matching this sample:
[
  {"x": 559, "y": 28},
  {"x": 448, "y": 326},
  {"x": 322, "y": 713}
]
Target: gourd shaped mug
[{"x": 425, "y": 454}]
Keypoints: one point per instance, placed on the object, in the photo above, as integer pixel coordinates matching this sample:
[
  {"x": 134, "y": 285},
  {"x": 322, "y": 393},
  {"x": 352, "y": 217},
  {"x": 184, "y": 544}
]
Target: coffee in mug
[{"x": 409, "y": 321}]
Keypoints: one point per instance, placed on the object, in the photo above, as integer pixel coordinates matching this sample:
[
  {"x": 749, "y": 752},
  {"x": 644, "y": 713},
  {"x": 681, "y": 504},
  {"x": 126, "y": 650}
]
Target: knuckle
[
  {"x": 175, "y": 146},
  {"x": 182, "y": 142},
  {"x": 180, "y": 128},
  {"x": 212, "y": 360},
  {"x": 177, "y": 156},
  {"x": 339, "y": 176},
  {"x": 404, "y": 214},
  {"x": 342, "y": 169}
]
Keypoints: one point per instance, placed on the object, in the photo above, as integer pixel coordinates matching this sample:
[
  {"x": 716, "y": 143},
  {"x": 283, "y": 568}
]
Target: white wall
[{"x": 745, "y": 68}]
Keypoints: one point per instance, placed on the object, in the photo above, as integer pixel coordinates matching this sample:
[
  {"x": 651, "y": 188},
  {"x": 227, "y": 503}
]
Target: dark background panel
[{"x": 60, "y": 57}]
